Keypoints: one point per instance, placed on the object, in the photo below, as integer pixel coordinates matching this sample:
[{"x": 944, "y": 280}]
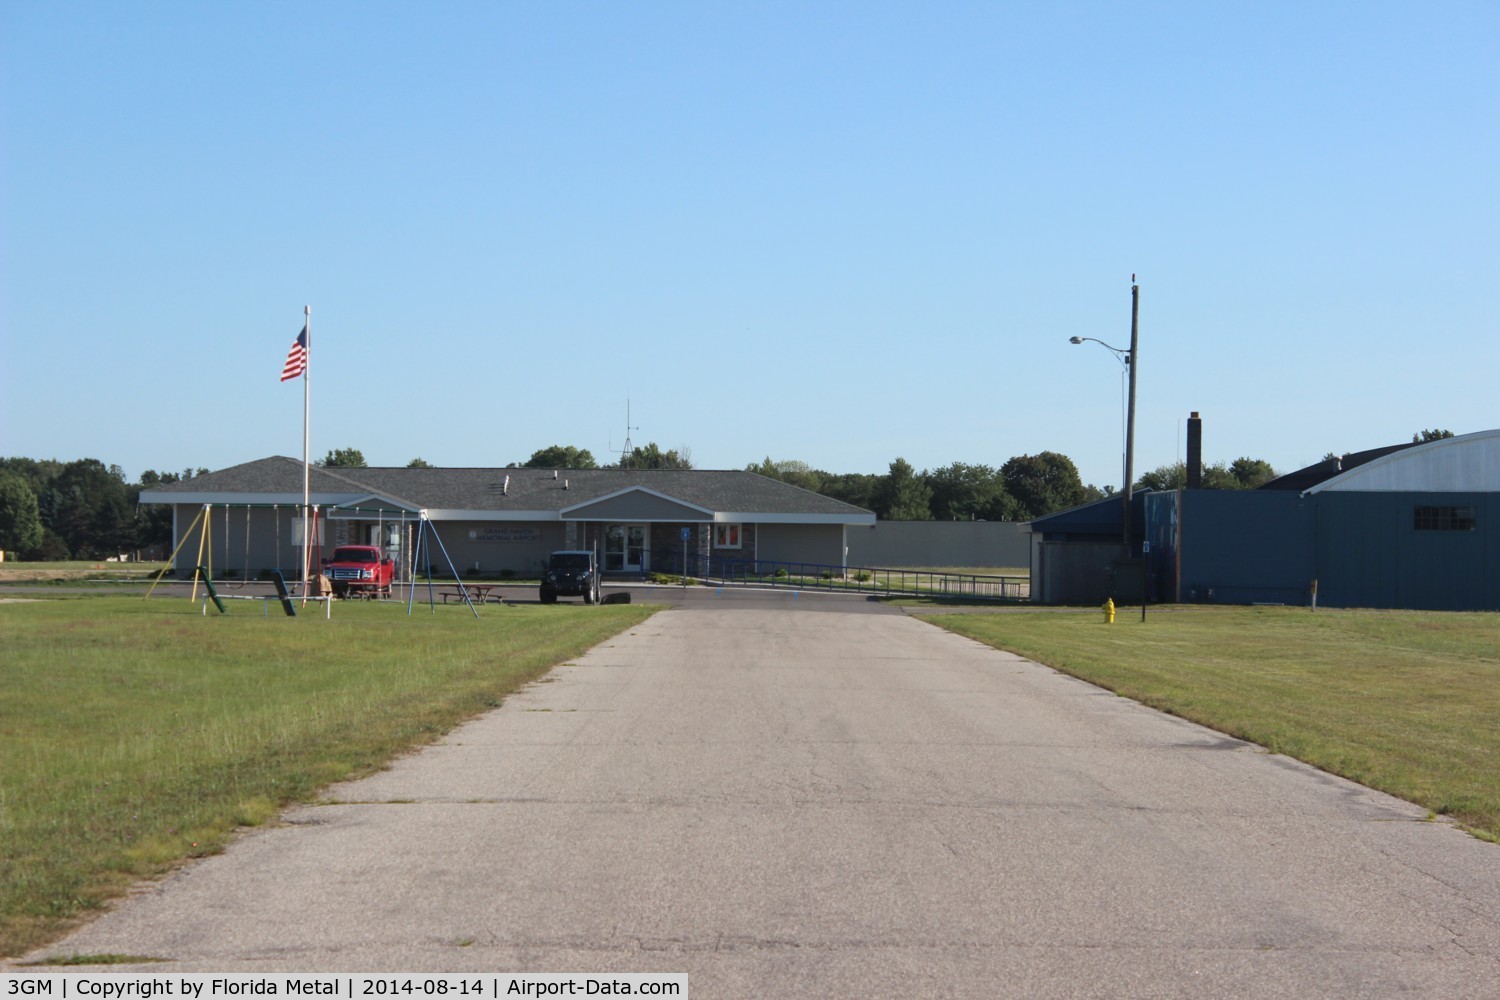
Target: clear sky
[{"x": 834, "y": 232}]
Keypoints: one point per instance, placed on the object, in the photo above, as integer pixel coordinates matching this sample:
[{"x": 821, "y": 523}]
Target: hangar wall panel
[
  {"x": 806, "y": 543},
  {"x": 1246, "y": 547},
  {"x": 939, "y": 543},
  {"x": 1084, "y": 572},
  {"x": 1371, "y": 554}
]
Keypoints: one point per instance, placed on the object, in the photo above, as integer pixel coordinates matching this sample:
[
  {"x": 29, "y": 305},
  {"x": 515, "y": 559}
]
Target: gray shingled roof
[{"x": 529, "y": 490}]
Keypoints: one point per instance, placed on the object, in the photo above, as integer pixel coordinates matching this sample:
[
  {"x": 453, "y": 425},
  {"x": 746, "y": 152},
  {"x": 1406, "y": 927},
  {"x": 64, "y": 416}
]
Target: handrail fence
[{"x": 894, "y": 581}]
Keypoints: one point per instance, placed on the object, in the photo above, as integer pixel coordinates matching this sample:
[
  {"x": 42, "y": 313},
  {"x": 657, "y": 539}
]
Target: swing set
[{"x": 203, "y": 572}]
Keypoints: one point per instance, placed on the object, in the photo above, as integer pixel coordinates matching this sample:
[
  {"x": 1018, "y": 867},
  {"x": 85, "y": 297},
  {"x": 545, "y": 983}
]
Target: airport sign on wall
[{"x": 505, "y": 534}]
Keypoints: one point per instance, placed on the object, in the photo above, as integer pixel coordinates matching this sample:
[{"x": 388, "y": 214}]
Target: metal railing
[{"x": 893, "y": 582}]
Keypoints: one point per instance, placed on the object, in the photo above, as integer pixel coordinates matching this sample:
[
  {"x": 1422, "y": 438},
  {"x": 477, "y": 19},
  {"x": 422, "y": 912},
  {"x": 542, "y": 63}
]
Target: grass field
[
  {"x": 136, "y": 733},
  {"x": 47, "y": 572},
  {"x": 1405, "y": 702}
]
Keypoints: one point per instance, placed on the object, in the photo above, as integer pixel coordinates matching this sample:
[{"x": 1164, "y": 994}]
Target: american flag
[{"x": 296, "y": 358}]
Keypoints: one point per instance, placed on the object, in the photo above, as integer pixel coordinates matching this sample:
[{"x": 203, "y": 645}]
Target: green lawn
[
  {"x": 1406, "y": 702},
  {"x": 135, "y": 733},
  {"x": 76, "y": 570}
]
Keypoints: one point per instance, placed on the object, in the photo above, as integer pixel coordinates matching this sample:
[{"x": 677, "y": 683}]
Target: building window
[
  {"x": 1443, "y": 518},
  {"x": 726, "y": 536}
]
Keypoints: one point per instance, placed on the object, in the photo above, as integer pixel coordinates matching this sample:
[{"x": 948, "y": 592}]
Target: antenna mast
[{"x": 627, "y": 449}]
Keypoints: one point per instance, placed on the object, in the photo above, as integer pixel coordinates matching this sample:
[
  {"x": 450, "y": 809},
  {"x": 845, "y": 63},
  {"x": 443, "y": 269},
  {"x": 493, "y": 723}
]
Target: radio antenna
[{"x": 627, "y": 449}]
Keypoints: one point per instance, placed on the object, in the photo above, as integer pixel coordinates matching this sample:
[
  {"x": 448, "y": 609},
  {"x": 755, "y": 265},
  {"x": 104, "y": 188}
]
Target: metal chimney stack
[{"x": 1195, "y": 452}]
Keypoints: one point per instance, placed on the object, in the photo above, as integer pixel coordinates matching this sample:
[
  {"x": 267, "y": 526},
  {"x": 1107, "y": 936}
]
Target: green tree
[
  {"x": 903, "y": 495},
  {"x": 790, "y": 470},
  {"x": 37, "y": 473},
  {"x": 343, "y": 458},
  {"x": 559, "y": 456},
  {"x": 1241, "y": 474},
  {"x": 1043, "y": 484},
  {"x": 857, "y": 488},
  {"x": 1422, "y": 437},
  {"x": 20, "y": 520},
  {"x": 40, "y": 475},
  {"x": 652, "y": 457},
  {"x": 963, "y": 492},
  {"x": 153, "y": 522},
  {"x": 1251, "y": 473},
  {"x": 419, "y": 463},
  {"x": 90, "y": 509},
  {"x": 1163, "y": 477},
  {"x": 1217, "y": 476}
]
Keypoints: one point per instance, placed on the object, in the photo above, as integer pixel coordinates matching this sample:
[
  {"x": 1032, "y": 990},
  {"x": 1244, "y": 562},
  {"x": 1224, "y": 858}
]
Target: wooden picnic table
[{"x": 478, "y": 592}]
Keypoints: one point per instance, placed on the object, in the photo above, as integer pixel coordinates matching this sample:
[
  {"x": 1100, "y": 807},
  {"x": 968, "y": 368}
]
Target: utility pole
[{"x": 1133, "y": 359}]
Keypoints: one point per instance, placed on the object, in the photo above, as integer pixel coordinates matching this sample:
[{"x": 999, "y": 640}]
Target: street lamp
[{"x": 1131, "y": 360}]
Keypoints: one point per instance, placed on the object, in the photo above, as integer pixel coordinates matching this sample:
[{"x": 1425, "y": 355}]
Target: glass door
[
  {"x": 625, "y": 548},
  {"x": 635, "y": 547}
]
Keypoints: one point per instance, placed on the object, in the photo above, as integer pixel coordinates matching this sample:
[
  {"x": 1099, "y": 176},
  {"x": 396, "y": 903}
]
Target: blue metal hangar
[
  {"x": 1413, "y": 526},
  {"x": 1409, "y": 526}
]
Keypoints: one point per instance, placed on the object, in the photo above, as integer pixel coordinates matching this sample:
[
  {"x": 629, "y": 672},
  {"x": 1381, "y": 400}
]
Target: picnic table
[{"x": 478, "y": 592}]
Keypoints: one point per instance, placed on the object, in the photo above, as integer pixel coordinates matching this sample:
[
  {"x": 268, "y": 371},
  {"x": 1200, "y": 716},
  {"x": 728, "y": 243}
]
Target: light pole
[{"x": 1131, "y": 360}]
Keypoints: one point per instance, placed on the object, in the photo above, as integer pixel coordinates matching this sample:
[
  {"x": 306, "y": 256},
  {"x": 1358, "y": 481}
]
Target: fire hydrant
[{"x": 1109, "y": 610}]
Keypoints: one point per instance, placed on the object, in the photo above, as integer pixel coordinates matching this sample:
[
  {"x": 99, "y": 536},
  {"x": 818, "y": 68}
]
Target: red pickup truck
[{"x": 360, "y": 571}]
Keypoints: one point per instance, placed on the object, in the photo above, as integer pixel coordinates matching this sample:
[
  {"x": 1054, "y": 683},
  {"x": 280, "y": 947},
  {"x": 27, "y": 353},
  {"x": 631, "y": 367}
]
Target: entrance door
[
  {"x": 625, "y": 548},
  {"x": 387, "y": 535}
]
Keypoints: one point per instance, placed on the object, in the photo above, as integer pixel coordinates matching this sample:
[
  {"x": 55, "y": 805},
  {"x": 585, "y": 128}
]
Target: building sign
[{"x": 506, "y": 534}]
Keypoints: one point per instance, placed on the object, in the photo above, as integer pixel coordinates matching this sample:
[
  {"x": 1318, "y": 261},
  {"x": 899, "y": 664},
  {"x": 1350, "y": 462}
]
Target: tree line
[
  {"x": 1024, "y": 488},
  {"x": 557, "y": 456},
  {"x": 53, "y": 510}
]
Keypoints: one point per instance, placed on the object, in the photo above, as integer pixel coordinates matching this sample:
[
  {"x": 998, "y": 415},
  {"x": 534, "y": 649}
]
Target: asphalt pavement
[{"x": 794, "y": 800}]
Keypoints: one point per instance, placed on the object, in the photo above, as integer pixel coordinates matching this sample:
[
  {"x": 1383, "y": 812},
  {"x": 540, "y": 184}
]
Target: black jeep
[{"x": 572, "y": 574}]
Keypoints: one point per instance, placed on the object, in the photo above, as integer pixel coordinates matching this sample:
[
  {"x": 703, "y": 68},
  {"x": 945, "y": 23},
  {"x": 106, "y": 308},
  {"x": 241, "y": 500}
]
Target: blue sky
[{"x": 834, "y": 232}]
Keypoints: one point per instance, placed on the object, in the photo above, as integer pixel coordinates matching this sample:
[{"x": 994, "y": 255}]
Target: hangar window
[{"x": 1443, "y": 518}]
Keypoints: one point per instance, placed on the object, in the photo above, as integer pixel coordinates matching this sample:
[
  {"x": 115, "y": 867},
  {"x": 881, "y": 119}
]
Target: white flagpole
[{"x": 306, "y": 441}]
